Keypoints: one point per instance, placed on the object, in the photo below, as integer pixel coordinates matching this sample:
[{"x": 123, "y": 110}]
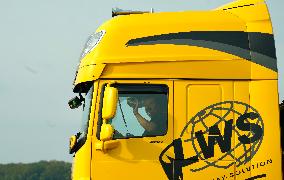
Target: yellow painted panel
[
  {"x": 211, "y": 172},
  {"x": 241, "y": 94},
  {"x": 136, "y": 170},
  {"x": 235, "y": 69},
  {"x": 203, "y": 95},
  {"x": 89, "y": 73},
  {"x": 264, "y": 97},
  {"x": 263, "y": 26},
  {"x": 255, "y": 16},
  {"x": 199, "y": 96},
  {"x": 81, "y": 161}
]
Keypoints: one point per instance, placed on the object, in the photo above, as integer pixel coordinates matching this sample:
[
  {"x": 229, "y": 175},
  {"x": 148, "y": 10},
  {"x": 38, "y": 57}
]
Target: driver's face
[{"x": 150, "y": 107}]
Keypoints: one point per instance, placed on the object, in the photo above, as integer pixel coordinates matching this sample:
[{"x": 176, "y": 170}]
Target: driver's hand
[
  {"x": 134, "y": 103},
  {"x": 135, "y": 106}
]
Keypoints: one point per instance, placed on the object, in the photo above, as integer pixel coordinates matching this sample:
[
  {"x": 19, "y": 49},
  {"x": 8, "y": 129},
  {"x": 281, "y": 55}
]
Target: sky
[{"x": 41, "y": 42}]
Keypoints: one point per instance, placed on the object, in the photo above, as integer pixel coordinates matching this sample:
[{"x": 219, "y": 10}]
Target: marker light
[{"x": 92, "y": 42}]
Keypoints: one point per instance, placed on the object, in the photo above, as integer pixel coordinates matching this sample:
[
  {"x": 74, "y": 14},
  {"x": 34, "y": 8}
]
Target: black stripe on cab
[{"x": 253, "y": 46}]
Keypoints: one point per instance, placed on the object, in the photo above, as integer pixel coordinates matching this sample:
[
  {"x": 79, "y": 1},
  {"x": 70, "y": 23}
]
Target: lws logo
[{"x": 235, "y": 127}]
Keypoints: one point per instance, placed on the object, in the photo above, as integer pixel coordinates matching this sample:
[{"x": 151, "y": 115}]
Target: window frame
[
  {"x": 100, "y": 120},
  {"x": 82, "y": 136}
]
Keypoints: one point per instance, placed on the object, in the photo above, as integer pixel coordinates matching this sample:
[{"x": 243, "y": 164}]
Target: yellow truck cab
[{"x": 180, "y": 95}]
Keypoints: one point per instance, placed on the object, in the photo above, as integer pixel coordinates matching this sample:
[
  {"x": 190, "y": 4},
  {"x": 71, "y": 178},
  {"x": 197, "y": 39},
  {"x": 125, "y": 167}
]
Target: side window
[
  {"x": 142, "y": 110},
  {"x": 86, "y": 112},
  {"x": 82, "y": 134}
]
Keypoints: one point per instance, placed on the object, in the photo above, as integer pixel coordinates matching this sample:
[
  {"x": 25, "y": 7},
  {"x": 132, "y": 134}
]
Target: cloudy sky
[{"x": 40, "y": 46}]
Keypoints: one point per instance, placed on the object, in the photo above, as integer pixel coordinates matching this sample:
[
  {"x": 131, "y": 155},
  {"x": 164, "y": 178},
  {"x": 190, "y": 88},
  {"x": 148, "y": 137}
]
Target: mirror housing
[
  {"x": 76, "y": 102},
  {"x": 109, "y": 109},
  {"x": 106, "y": 132},
  {"x": 109, "y": 102},
  {"x": 72, "y": 144}
]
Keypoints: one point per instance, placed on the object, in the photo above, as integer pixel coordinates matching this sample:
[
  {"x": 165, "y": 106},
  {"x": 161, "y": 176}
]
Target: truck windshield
[{"x": 86, "y": 112}]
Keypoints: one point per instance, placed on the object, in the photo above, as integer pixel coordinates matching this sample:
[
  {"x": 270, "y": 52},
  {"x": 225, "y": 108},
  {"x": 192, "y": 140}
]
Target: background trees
[{"x": 43, "y": 170}]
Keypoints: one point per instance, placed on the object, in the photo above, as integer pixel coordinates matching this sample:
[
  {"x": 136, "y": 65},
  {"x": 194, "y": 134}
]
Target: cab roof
[{"x": 238, "y": 31}]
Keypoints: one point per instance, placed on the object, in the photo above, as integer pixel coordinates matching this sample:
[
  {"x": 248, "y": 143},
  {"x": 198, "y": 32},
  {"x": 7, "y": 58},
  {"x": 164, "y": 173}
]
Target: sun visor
[{"x": 87, "y": 74}]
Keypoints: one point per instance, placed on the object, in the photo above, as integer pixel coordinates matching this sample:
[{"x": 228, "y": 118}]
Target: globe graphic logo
[{"x": 217, "y": 115}]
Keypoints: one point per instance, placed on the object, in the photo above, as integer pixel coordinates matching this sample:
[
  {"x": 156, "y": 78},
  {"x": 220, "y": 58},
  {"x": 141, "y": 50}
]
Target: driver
[{"x": 156, "y": 110}]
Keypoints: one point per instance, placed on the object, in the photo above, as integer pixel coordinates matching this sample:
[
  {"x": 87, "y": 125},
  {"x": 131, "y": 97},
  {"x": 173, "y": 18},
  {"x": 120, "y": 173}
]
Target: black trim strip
[
  {"x": 253, "y": 46},
  {"x": 257, "y": 177},
  {"x": 246, "y": 5}
]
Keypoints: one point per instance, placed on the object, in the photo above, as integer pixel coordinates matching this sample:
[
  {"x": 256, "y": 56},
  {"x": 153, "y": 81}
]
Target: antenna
[{"x": 117, "y": 12}]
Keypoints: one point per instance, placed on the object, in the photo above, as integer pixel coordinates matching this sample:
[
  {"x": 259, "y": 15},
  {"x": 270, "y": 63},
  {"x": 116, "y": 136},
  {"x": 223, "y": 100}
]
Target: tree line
[{"x": 43, "y": 170}]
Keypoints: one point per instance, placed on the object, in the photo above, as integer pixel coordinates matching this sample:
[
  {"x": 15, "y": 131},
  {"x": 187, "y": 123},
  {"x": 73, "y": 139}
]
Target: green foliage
[{"x": 43, "y": 170}]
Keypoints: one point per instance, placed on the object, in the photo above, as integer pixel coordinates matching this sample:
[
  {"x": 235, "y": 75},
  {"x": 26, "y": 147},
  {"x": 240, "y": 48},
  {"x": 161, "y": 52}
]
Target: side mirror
[
  {"x": 106, "y": 132},
  {"x": 76, "y": 102},
  {"x": 108, "y": 112},
  {"x": 109, "y": 102}
]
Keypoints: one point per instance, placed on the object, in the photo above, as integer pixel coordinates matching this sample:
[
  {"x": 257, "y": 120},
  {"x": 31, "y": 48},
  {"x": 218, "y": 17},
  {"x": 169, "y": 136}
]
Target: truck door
[{"x": 141, "y": 142}]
